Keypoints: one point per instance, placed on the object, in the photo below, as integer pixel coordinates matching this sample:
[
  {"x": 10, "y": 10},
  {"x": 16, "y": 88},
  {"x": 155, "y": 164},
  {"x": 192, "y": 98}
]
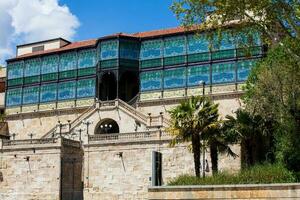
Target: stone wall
[
  {"x": 41, "y": 170},
  {"x": 111, "y": 176},
  {"x": 30, "y": 172},
  {"x": 253, "y": 192}
]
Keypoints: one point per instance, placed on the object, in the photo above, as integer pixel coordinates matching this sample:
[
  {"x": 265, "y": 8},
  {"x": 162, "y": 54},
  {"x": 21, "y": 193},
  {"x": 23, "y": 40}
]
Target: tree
[
  {"x": 253, "y": 132},
  {"x": 191, "y": 119},
  {"x": 218, "y": 140},
  {"x": 275, "y": 20},
  {"x": 273, "y": 91}
]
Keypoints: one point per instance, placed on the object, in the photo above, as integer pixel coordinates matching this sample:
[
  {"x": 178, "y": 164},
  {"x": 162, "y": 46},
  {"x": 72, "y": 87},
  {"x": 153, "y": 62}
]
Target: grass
[{"x": 258, "y": 174}]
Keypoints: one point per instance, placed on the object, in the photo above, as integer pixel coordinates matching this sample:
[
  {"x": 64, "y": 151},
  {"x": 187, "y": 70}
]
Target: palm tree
[
  {"x": 253, "y": 132},
  {"x": 192, "y": 118},
  {"x": 218, "y": 140}
]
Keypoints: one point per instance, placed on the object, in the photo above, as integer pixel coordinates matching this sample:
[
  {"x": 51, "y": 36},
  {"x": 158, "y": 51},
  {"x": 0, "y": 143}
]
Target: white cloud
[{"x": 24, "y": 21}]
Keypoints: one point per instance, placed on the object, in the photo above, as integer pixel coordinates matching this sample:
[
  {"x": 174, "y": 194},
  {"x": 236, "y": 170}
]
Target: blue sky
[
  {"x": 102, "y": 17},
  {"x": 25, "y": 21}
]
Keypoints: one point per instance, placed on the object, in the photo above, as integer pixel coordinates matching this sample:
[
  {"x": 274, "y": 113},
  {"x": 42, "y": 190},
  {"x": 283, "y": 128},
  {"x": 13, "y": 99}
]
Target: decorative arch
[{"x": 107, "y": 126}]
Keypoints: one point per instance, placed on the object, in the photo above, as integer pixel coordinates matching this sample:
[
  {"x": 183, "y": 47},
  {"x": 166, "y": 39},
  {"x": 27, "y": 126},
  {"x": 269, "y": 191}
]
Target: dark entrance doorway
[
  {"x": 108, "y": 87},
  {"x": 107, "y": 126},
  {"x": 128, "y": 86}
]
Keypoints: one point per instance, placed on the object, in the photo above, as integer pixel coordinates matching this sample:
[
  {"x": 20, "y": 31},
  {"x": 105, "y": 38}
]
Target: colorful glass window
[
  {"x": 32, "y": 67},
  {"x": 244, "y": 68},
  {"x": 14, "y": 97},
  {"x": 223, "y": 73},
  {"x": 66, "y": 90},
  {"x": 50, "y": 64},
  {"x": 48, "y": 92},
  {"x": 198, "y": 44},
  {"x": 87, "y": 58},
  {"x": 151, "y": 49},
  {"x": 174, "y": 78},
  {"x": 109, "y": 50},
  {"x": 31, "y": 95},
  {"x": 151, "y": 80},
  {"x": 15, "y": 70},
  {"x": 198, "y": 73},
  {"x": 175, "y": 46},
  {"x": 129, "y": 50},
  {"x": 86, "y": 88},
  {"x": 68, "y": 61},
  {"x": 226, "y": 42}
]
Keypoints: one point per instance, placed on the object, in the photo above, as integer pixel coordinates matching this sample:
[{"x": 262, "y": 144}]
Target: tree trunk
[
  {"x": 214, "y": 158},
  {"x": 196, "y": 153}
]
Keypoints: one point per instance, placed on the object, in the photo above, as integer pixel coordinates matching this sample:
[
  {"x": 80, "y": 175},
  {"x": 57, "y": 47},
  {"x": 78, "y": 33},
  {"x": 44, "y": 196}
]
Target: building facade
[{"x": 113, "y": 94}]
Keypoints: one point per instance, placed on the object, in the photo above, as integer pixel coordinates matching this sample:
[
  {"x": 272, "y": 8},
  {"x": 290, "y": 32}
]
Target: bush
[{"x": 255, "y": 175}]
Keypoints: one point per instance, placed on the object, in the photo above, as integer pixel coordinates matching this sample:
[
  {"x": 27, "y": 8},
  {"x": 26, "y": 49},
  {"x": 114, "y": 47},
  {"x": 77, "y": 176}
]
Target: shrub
[{"x": 258, "y": 174}]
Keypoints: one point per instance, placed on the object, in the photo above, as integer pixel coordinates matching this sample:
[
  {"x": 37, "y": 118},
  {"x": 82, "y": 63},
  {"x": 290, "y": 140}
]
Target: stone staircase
[{"x": 151, "y": 122}]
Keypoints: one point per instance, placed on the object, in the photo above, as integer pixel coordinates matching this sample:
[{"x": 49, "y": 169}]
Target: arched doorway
[
  {"x": 128, "y": 86},
  {"x": 108, "y": 87},
  {"x": 107, "y": 126}
]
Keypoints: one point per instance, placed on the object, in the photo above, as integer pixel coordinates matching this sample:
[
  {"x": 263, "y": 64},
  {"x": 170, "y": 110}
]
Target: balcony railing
[
  {"x": 130, "y": 137},
  {"x": 29, "y": 142}
]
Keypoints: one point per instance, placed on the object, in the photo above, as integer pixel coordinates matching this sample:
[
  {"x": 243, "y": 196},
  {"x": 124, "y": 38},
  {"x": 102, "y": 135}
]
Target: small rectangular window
[{"x": 38, "y": 48}]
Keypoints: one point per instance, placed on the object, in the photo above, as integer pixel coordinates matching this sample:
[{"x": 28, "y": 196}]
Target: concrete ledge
[{"x": 247, "y": 191}]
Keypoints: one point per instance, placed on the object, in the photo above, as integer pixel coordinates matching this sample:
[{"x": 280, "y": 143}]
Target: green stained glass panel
[
  {"x": 67, "y": 74},
  {"x": 87, "y": 71},
  {"x": 13, "y": 82},
  {"x": 48, "y": 92},
  {"x": 198, "y": 44},
  {"x": 31, "y": 79},
  {"x": 223, "y": 73},
  {"x": 129, "y": 49},
  {"x": 174, "y": 78},
  {"x": 151, "y": 63},
  {"x": 199, "y": 57},
  {"x": 174, "y": 60},
  {"x": 86, "y": 88},
  {"x": 66, "y": 90},
  {"x": 49, "y": 77}
]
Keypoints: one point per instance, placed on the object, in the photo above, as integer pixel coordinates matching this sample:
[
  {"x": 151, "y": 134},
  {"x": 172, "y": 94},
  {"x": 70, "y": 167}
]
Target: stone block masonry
[{"x": 38, "y": 170}]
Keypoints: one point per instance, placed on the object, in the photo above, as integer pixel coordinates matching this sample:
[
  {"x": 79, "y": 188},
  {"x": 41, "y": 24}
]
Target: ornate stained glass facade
[{"x": 168, "y": 62}]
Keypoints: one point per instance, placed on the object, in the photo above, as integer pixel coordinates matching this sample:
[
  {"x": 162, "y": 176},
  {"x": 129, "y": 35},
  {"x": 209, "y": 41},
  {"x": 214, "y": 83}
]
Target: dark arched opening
[
  {"x": 107, "y": 126},
  {"x": 128, "y": 86},
  {"x": 108, "y": 87}
]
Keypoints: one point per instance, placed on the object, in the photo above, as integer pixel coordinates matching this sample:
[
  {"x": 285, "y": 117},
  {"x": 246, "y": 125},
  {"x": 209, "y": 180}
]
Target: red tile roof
[{"x": 93, "y": 42}]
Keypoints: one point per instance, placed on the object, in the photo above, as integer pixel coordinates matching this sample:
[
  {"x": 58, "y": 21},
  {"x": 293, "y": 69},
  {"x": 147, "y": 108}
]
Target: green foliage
[
  {"x": 273, "y": 19},
  {"x": 258, "y": 174},
  {"x": 273, "y": 92},
  {"x": 193, "y": 117}
]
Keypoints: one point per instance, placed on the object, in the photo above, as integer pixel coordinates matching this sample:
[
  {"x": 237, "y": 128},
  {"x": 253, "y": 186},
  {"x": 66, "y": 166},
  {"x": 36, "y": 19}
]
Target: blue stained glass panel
[
  {"x": 86, "y": 88},
  {"x": 129, "y": 50},
  {"x": 174, "y": 46},
  {"x": 174, "y": 78},
  {"x": 32, "y": 67},
  {"x": 66, "y": 90},
  {"x": 68, "y": 61},
  {"x": 31, "y": 95},
  {"x": 198, "y": 44},
  {"x": 227, "y": 42},
  {"x": 223, "y": 73},
  {"x": 87, "y": 58},
  {"x": 109, "y": 50},
  {"x": 244, "y": 68},
  {"x": 48, "y": 92},
  {"x": 50, "y": 64},
  {"x": 151, "y": 49},
  {"x": 198, "y": 73},
  {"x": 151, "y": 80},
  {"x": 15, "y": 70},
  {"x": 14, "y": 97}
]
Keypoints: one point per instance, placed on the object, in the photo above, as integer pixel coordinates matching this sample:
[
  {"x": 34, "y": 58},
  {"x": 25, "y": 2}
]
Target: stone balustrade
[{"x": 130, "y": 137}]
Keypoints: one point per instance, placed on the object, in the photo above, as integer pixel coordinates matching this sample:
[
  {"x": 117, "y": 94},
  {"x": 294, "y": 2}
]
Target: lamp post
[
  {"x": 60, "y": 126},
  {"x": 87, "y": 123},
  {"x": 203, "y": 142}
]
